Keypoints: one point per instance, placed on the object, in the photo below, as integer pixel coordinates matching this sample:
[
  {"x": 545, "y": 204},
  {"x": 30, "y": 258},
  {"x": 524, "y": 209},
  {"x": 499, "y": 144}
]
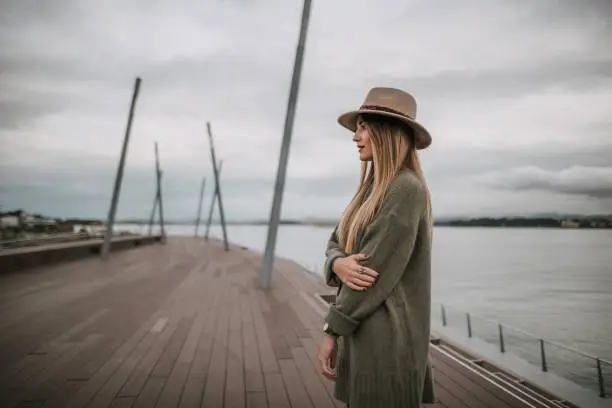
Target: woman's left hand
[{"x": 327, "y": 356}]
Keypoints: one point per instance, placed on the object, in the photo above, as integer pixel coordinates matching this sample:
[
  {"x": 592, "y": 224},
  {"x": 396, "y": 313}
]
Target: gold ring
[{"x": 361, "y": 271}]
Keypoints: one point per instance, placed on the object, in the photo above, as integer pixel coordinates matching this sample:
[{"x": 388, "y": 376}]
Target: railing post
[
  {"x": 502, "y": 345},
  {"x": 443, "y": 315},
  {"x": 543, "y": 355},
  {"x": 600, "y": 379},
  {"x": 469, "y": 324}
]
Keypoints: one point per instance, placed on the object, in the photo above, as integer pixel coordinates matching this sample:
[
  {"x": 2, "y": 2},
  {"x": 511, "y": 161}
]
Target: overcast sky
[{"x": 517, "y": 96}]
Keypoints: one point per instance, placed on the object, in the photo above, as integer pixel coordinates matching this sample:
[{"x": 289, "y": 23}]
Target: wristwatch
[{"x": 328, "y": 331}]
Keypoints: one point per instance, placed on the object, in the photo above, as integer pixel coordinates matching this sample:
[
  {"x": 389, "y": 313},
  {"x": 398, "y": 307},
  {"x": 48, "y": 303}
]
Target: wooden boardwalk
[{"x": 179, "y": 325}]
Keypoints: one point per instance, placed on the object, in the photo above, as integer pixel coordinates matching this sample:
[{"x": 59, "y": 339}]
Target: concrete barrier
[{"x": 19, "y": 259}]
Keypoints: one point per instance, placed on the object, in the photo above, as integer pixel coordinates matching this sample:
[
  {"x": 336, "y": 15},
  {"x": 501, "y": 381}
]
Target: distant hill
[{"x": 548, "y": 219}]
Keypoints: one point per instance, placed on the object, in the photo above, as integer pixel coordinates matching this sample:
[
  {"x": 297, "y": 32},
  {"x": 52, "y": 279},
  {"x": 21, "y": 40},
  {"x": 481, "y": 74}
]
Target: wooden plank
[
  {"x": 52, "y": 312},
  {"x": 311, "y": 348},
  {"x": 173, "y": 388},
  {"x": 309, "y": 378},
  {"x": 277, "y": 341},
  {"x": 42, "y": 346},
  {"x": 21, "y": 393},
  {"x": 60, "y": 398},
  {"x": 235, "y": 321},
  {"x": 31, "y": 404},
  {"x": 194, "y": 386},
  {"x": 266, "y": 352},
  {"x": 86, "y": 364},
  {"x": 148, "y": 397},
  {"x": 107, "y": 393},
  {"x": 275, "y": 390},
  {"x": 449, "y": 399},
  {"x": 252, "y": 366},
  {"x": 47, "y": 385},
  {"x": 84, "y": 395},
  {"x": 132, "y": 386},
  {"x": 123, "y": 402},
  {"x": 173, "y": 348},
  {"x": 257, "y": 399},
  {"x": 471, "y": 385},
  {"x": 245, "y": 311},
  {"x": 235, "y": 383},
  {"x": 215, "y": 378},
  {"x": 466, "y": 396},
  {"x": 295, "y": 388},
  {"x": 454, "y": 370}
]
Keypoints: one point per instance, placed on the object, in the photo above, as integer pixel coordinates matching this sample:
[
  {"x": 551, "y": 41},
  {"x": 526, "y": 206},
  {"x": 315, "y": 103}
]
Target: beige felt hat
[{"x": 394, "y": 103}]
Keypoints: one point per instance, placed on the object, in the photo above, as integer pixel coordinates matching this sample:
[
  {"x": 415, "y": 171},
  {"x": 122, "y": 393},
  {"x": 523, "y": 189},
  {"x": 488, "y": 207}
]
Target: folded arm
[
  {"x": 389, "y": 241},
  {"x": 332, "y": 253}
]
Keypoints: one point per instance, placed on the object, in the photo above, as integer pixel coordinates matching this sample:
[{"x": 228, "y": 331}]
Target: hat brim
[{"x": 422, "y": 138}]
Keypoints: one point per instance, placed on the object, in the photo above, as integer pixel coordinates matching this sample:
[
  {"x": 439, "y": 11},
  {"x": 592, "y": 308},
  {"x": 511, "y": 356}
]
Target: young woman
[{"x": 376, "y": 342}]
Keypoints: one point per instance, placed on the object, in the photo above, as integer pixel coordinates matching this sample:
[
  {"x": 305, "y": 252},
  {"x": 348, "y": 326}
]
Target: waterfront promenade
[{"x": 182, "y": 325}]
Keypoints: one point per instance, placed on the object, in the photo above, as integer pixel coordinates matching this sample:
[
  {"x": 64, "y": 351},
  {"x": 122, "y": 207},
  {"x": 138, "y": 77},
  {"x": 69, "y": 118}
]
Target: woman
[{"x": 377, "y": 332}]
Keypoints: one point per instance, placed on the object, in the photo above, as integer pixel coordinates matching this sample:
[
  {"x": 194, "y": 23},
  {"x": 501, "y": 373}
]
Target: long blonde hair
[{"x": 393, "y": 149}]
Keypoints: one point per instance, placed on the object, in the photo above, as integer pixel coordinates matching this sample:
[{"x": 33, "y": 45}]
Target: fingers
[
  {"x": 357, "y": 266},
  {"x": 354, "y": 287},
  {"x": 327, "y": 371},
  {"x": 364, "y": 274},
  {"x": 359, "y": 257},
  {"x": 368, "y": 273},
  {"x": 360, "y": 281}
]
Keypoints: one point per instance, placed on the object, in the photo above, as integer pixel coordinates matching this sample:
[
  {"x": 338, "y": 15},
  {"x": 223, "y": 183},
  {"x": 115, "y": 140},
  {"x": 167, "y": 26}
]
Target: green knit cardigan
[{"x": 384, "y": 331}]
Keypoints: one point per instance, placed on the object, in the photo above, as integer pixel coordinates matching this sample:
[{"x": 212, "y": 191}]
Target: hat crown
[{"x": 391, "y": 99}]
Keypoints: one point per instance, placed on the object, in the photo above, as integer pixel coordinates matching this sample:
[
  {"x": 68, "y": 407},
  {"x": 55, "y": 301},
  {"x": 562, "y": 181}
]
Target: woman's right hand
[{"x": 353, "y": 274}]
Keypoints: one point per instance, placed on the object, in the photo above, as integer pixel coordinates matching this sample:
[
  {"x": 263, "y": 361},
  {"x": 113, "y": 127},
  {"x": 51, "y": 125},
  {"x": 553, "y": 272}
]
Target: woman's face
[{"x": 363, "y": 141}]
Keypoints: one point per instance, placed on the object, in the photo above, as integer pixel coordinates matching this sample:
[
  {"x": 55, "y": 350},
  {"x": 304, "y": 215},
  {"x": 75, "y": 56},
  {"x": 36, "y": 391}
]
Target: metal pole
[
  {"x": 159, "y": 195},
  {"x": 600, "y": 379},
  {"x": 152, "y": 218},
  {"x": 443, "y": 310},
  {"x": 217, "y": 186},
  {"x": 469, "y": 324},
  {"x": 268, "y": 260},
  {"x": 502, "y": 343},
  {"x": 543, "y": 356},
  {"x": 155, "y": 201},
  {"x": 108, "y": 236},
  {"x": 212, "y": 204},
  {"x": 198, "y": 215}
]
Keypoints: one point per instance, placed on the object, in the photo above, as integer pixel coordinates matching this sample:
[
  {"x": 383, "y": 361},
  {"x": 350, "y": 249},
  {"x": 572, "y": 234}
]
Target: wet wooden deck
[{"x": 179, "y": 325}]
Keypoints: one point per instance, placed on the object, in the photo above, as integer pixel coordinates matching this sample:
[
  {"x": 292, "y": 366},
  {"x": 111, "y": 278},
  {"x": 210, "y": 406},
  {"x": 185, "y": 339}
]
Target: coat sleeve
[
  {"x": 389, "y": 241},
  {"x": 332, "y": 253}
]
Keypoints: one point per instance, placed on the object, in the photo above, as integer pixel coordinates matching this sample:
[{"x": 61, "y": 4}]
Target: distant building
[
  {"x": 570, "y": 224},
  {"x": 10, "y": 222},
  {"x": 20, "y": 220}
]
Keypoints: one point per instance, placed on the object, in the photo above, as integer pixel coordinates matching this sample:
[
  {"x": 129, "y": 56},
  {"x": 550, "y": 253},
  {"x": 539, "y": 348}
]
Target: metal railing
[
  {"x": 18, "y": 243},
  {"x": 582, "y": 368}
]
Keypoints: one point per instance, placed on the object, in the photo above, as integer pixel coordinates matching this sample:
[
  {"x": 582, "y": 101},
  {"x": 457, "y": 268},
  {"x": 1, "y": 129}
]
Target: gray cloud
[
  {"x": 528, "y": 78},
  {"x": 593, "y": 182},
  {"x": 554, "y": 157}
]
